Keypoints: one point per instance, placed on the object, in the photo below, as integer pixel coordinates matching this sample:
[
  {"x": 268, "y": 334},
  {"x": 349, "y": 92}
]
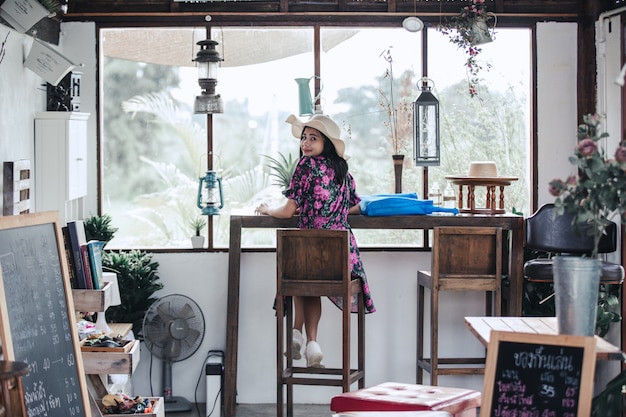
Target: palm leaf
[{"x": 281, "y": 169}]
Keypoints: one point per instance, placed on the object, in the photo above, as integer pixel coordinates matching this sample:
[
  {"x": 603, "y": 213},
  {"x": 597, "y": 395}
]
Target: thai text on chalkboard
[{"x": 532, "y": 375}]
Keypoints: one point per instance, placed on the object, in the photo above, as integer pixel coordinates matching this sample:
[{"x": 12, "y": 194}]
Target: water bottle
[
  {"x": 449, "y": 198},
  {"x": 435, "y": 194}
]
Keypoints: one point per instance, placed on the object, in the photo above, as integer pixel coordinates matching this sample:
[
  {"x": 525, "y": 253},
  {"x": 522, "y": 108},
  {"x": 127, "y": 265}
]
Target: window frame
[{"x": 317, "y": 54}]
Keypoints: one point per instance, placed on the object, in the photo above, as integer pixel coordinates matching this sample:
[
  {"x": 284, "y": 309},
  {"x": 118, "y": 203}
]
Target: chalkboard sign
[
  {"x": 538, "y": 375},
  {"x": 37, "y": 318}
]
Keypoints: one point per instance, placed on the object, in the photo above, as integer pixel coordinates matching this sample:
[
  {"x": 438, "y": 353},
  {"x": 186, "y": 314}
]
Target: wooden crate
[
  {"x": 112, "y": 362},
  {"x": 158, "y": 409},
  {"x": 93, "y": 300}
]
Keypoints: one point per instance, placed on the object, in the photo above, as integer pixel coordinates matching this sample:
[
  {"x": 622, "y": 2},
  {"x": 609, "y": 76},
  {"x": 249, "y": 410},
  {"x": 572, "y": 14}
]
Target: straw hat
[
  {"x": 322, "y": 123},
  {"x": 483, "y": 169}
]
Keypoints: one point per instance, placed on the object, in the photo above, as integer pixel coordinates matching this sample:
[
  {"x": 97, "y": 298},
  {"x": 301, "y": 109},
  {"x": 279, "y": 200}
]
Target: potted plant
[
  {"x": 592, "y": 196},
  {"x": 282, "y": 169},
  {"x": 138, "y": 280},
  {"x": 197, "y": 240},
  {"x": 99, "y": 228},
  {"x": 468, "y": 30}
]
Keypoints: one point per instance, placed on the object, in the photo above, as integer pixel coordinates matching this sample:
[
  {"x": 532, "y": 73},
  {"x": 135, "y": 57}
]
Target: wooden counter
[{"x": 512, "y": 224}]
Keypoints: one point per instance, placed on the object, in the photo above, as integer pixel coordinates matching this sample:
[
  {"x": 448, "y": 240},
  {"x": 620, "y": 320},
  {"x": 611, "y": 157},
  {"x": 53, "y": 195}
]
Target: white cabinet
[{"x": 60, "y": 159}]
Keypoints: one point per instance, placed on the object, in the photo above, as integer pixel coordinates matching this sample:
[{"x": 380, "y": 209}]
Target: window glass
[{"x": 154, "y": 149}]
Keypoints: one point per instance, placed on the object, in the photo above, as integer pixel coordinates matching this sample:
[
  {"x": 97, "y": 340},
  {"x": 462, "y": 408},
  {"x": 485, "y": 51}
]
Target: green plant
[
  {"x": 99, "y": 228},
  {"x": 463, "y": 32},
  {"x": 282, "y": 169},
  {"x": 600, "y": 187},
  {"x": 198, "y": 224},
  {"x": 138, "y": 279}
]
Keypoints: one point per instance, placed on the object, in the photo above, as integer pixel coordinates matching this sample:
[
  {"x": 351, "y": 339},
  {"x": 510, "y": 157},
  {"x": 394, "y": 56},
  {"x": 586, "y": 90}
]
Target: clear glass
[{"x": 154, "y": 149}]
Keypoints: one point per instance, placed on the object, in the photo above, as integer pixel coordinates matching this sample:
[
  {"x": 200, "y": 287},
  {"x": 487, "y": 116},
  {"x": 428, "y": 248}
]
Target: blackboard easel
[
  {"x": 37, "y": 322},
  {"x": 535, "y": 374}
]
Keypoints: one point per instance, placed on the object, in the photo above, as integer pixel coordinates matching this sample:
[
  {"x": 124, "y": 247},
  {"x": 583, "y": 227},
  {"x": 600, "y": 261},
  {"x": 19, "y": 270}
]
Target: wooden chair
[
  {"x": 463, "y": 259},
  {"x": 315, "y": 263}
]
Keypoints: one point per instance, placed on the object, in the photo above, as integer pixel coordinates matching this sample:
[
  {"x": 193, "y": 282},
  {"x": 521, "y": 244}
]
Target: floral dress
[{"x": 323, "y": 204}]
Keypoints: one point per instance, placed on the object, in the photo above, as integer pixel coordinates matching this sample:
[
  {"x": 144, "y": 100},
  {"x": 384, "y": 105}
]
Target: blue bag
[{"x": 398, "y": 205}]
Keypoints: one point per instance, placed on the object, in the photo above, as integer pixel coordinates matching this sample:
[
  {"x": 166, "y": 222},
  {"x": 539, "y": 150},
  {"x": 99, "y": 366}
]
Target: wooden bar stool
[
  {"x": 313, "y": 262},
  {"x": 12, "y": 402},
  {"x": 463, "y": 259}
]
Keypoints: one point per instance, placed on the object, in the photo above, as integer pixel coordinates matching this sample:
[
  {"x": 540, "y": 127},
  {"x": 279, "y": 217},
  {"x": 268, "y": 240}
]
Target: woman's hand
[{"x": 262, "y": 209}]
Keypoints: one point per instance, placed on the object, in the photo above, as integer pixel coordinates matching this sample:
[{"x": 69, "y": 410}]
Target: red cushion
[{"x": 393, "y": 396}]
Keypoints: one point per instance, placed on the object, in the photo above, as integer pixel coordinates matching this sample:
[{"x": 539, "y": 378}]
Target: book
[
  {"x": 95, "y": 261},
  {"x": 84, "y": 250},
  {"x": 76, "y": 232},
  {"x": 70, "y": 257}
]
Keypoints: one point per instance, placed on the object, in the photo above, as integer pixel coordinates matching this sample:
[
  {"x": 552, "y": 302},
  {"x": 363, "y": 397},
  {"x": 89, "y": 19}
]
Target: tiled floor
[{"x": 258, "y": 410}]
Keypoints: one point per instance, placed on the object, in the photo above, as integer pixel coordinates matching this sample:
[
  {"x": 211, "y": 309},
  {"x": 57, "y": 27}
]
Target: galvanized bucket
[{"x": 576, "y": 282}]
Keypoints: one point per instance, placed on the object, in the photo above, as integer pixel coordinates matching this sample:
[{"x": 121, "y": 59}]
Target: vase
[
  {"x": 480, "y": 31},
  {"x": 197, "y": 242},
  {"x": 576, "y": 283},
  {"x": 398, "y": 161}
]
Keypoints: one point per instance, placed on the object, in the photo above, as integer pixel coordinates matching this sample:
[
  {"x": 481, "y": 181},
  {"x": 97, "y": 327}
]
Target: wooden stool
[
  {"x": 12, "y": 402},
  {"x": 396, "y": 397},
  {"x": 463, "y": 259},
  {"x": 315, "y": 262}
]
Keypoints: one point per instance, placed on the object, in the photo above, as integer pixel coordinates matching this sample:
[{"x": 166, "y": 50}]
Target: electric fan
[{"x": 173, "y": 329}]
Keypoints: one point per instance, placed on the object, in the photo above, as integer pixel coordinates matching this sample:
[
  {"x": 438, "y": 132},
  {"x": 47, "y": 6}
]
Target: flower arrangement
[
  {"x": 467, "y": 31},
  {"x": 600, "y": 188},
  {"x": 400, "y": 113}
]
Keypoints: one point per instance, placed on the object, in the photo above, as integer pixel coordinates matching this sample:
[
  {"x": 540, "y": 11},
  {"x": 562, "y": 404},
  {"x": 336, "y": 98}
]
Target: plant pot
[
  {"x": 197, "y": 242},
  {"x": 480, "y": 31},
  {"x": 576, "y": 283},
  {"x": 398, "y": 161}
]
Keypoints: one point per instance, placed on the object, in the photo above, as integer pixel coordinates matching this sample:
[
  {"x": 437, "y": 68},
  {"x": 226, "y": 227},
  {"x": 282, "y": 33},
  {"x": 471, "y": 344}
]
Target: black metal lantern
[
  {"x": 426, "y": 126},
  {"x": 207, "y": 61}
]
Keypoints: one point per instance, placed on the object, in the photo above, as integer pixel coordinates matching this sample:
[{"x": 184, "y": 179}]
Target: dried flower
[
  {"x": 600, "y": 188},
  {"x": 397, "y": 116}
]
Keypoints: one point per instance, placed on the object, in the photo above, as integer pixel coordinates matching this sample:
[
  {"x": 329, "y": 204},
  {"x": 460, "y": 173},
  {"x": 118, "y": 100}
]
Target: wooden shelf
[
  {"x": 112, "y": 362},
  {"x": 93, "y": 300},
  {"x": 158, "y": 409}
]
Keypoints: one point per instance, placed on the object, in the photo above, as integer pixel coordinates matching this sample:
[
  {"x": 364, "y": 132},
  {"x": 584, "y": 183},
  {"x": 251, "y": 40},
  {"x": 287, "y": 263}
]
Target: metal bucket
[{"x": 576, "y": 282}]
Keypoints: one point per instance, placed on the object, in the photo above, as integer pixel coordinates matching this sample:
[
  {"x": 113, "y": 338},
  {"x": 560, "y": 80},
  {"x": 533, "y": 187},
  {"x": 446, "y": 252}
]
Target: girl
[{"x": 323, "y": 193}]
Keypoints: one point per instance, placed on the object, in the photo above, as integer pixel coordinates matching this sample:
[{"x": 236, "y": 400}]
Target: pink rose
[
  {"x": 587, "y": 147},
  {"x": 556, "y": 187}
]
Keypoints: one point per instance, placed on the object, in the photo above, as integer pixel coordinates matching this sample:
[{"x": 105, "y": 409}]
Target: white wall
[{"x": 390, "y": 331}]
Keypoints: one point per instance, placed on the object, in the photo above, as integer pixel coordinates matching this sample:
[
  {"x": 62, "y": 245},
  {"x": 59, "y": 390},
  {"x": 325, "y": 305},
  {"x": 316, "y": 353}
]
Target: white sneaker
[
  {"x": 314, "y": 355},
  {"x": 297, "y": 341}
]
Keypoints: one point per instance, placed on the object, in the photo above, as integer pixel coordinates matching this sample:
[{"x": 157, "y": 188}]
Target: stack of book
[{"x": 84, "y": 257}]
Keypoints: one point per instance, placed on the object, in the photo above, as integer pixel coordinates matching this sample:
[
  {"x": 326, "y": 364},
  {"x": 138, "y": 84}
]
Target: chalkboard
[
  {"x": 37, "y": 318},
  {"x": 538, "y": 375}
]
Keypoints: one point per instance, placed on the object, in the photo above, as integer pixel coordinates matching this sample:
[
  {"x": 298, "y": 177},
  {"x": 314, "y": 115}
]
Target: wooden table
[
  {"x": 481, "y": 327},
  {"x": 512, "y": 223}
]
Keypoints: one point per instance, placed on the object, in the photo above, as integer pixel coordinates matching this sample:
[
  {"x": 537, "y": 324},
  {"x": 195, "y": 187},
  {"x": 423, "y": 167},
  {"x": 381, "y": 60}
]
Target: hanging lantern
[
  {"x": 207, "y": 61},
  {"x": 210, "y": 199},
  {"x": 426, "y": 126}
]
